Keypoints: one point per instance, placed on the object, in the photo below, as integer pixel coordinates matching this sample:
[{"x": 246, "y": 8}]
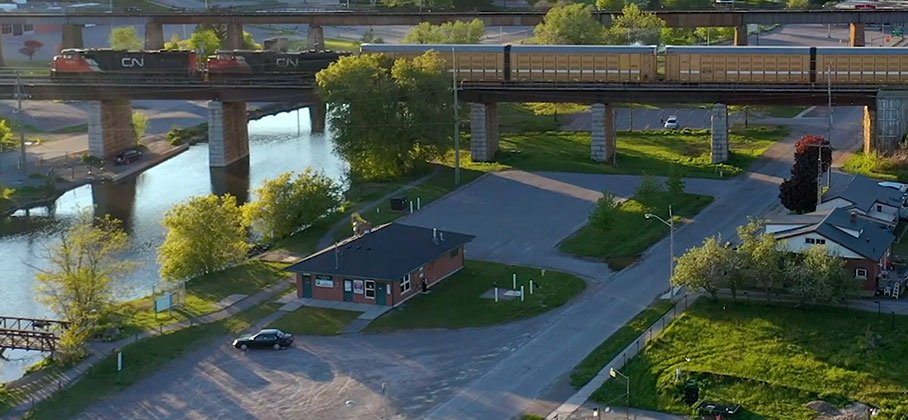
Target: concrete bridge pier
[
  {"x": 110, "y": 129},
  {"x": 154, "y": 36},
  {"x": 228, "y": 135},
  {"x": 483, "y": 131},
  {"x": 719, "y": 133},
  {"x": 604, "y": 144},
  {"x": 318, "y": 116},
  {"x": 316, "y": 38},
  {"x": 72, "y": 36},
  {"x": 234, "y": 40},
  {"x": 857, "y": 34},
  {"x": 741, "y": 35},
  {"x": 885, "y": 124}
]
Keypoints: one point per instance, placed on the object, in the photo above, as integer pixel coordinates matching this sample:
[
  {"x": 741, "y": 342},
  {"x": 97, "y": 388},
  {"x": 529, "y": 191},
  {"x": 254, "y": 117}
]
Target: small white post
[
  {"x": 418, "y": 203},
  {"x": 543, "y": 272},
  {"x": 496, "y": 294},
  {"x": 411, "y": 207},
  {"x": 531, "y": 286},
  {"x": 514, "y": 281},
  {"x": 521, "y": 293}
]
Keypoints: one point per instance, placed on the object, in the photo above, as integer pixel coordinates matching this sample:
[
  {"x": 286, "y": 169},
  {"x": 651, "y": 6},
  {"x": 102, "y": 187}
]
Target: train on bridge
[{"x": 697, "y": 65}]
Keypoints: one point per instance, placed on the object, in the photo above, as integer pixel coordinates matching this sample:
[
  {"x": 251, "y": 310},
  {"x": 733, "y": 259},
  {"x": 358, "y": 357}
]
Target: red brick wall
[{"x": 872, "y": 270}]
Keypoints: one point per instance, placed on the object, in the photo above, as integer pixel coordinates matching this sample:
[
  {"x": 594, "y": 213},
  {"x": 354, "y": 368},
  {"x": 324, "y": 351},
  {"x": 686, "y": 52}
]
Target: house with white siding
[{"x": 868, "y": 198}]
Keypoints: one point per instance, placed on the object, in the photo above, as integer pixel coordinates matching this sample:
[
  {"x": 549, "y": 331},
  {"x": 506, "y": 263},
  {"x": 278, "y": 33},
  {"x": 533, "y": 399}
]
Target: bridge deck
[{"x": 30, "y": 333}]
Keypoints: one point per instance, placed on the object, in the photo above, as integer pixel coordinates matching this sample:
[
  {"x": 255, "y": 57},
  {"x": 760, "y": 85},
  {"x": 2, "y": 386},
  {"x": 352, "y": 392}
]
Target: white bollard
[
  {"x": 543, "y": 272},
  {"x": 411, "y": 207},
  {"x": 514, "y": 280},
  {"x": 496, "y": 295},
  {"x": 531, "y": 286},
  {"x": 521, "y": 293},
  {"x": 418, "y": 203}
]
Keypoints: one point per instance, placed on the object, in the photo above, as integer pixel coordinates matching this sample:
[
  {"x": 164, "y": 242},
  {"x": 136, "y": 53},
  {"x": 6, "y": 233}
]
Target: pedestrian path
[
  {"x": 39, "y": 387},
  {"x": 367, "y": 315}
]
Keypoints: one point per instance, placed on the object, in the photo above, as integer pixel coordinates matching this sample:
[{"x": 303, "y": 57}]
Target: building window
[
  {"x": 6, "y": 29},
  {"x": 860, "y": 273},
  {"x": 28, "y": 27},
  {"x": 821, "y": 241},
  {"x": 370, "y": 289},
  {"x": 455, "y": 252},
  {"x": 405, "y": 284},
  {"x": 815, "y": 241},
  {"x": 879, "y": 208}
]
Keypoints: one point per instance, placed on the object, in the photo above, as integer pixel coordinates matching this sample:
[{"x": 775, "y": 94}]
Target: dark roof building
[
  {"x": 868, "y": 197},
  {"x": 384, "y": 261}
]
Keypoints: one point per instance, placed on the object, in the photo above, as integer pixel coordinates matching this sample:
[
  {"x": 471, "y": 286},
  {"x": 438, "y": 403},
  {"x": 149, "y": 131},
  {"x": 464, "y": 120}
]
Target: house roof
[
  {"x": 871, "y": 242},
  {"x": 863, "y": 192},
  {"x": 387, "y": 252}
]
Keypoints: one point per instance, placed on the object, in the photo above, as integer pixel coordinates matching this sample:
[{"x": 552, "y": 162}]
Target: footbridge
[{"x": 30, "y": 333}]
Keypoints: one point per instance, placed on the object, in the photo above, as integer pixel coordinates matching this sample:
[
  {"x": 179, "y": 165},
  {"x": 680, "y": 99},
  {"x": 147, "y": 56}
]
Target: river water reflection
[{"x": 276, "y": 146}]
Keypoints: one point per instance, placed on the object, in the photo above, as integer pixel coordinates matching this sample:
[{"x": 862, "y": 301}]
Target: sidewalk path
[{"x": 41, "y": 387}]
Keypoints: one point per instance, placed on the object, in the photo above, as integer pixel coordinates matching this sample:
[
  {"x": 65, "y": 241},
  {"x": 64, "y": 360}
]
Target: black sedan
[{"x": 270, "y": 338}]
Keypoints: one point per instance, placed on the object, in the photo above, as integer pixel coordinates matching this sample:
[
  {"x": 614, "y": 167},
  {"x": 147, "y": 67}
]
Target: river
[{"x": 277, "y": 144}]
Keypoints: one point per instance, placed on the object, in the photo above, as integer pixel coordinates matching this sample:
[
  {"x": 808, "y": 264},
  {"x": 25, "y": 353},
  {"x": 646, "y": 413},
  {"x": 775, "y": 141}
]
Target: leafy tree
[
  {"x": 447, "y": 33},
  {"x": 797, "y": 4},
  {"x": 30, "y": 47},
  {"x": 204, "y": 234},
  {"x": 648, "y": 190},
  {"x": 607, "y": 211},
  {"x": 708, "y": 267},
  {"x": 429, "y": 4},
  {"x": 392, "y": 114},
  {"x": 125, "y": 38},
  {"x": 807, "y": 153},
  {"x": 799, "y": 194},
  {"x": 675, "y": 181},
  {"x": 291, "y": 202},
  {"x": 208, "y": 38},
  {"x": 683, "y": 4},
  {"x": 762, "y": 261},
  {"x": 572, "y": 24},
  {"x": 635, "y": 26},
  {"x": 139, "y": 125},
  {"x": 819, "y": 277},
  {"x": 78, "y": 286},
  {"x": 7, "y": 141},
  {"x": 370, "y": 38},
  {"x": 610, "y": 4}
]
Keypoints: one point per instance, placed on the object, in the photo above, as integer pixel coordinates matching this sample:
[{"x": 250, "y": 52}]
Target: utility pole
[
  {"x": 829, "y": 125},
  {"x": 19, "y": 95},
  {"x": 456, "y": 108}
]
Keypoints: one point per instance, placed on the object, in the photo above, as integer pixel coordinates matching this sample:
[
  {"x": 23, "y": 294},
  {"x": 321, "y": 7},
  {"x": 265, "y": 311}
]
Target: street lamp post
[
  {"x": 627, "y": 394},
  {"x": 671, "y": 244}
]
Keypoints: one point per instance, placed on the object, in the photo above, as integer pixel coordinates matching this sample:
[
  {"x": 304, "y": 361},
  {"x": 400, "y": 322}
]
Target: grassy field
[
  {"x": 779, "y": 111},
  {"x": 879, "y": 167},
  {"x": 587, "y": 369},
  {"x": 314, "y": 321},
  {"x": 772, "y": 359},
  {"x": 632, "y": 233},
  {"x": 535, "y": 117},
  {"x": 140, "y": 360},
  {"x": 202, "y": 295},
  {"x": 651, "y": 152},
  {"x": 457, "y": 301}
]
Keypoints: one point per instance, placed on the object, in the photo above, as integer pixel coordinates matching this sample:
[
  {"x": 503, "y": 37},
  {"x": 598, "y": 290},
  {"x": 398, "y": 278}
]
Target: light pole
[
  {"x": 671, "y": 245},
  {"x": 456, "y": 108},
  {"x": 627, "y": 394}
]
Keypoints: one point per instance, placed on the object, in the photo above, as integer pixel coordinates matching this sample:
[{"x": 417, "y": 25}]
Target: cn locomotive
[{"x": 107, "y": 65}]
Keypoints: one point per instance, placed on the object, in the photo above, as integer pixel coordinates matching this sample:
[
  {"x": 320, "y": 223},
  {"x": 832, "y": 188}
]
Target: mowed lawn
[
  {"x": 632, "y": 233},
  {"x": 773, "y": 359},
  {"x": 651, "y": 152},
  {"x": 457, "y": 301}
]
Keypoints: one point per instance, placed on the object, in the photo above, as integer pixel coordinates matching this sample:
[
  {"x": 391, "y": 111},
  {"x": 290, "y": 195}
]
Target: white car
[
  {"x": 894, "y": 185},
  {"x": 671, "y": 123}
]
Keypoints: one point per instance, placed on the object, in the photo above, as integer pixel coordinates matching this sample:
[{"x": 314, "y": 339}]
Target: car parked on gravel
[{"x": 269, "y": 338}]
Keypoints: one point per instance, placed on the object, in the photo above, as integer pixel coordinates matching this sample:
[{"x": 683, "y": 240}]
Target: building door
[
  {"x": 348, "y": 290},
  {"x": 307, "y": 287},
  {"x": 381, "y": 293}
]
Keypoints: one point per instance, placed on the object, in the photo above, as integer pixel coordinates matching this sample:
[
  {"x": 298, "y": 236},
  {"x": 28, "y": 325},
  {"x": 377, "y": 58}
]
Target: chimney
[
  {"x": 854, "y": 216},
  {"x": 435, "y": 235},
  {"x": 441, "y": 236}
]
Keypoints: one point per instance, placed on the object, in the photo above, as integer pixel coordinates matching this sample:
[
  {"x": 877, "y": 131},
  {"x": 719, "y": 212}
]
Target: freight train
[
  {"x": 682, "y": 64},
  {"x": 180, "y": 65},
  {"x": 518, "y": 63}
]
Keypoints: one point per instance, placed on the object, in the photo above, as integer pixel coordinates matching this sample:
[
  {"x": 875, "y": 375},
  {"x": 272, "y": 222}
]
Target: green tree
[
  {"x": 249, "y": 42},
  {"x": 204, "y": 234},
  {"x": 761, "y": 258},
  {"x": 635, "y": 26},
  {"x": 708, "y": 267},
  {"x": 447, "y": 33},
  {"x": 819, "y": 276},
  {"x": 139, "y": 125},
  {"x": 685, "y": 4},
  {"x": 369, "y": 37},
  {"x": 610, "y": 4},
  {"x": 7, "y": 140},
  {"x": 713, "y": 35},
  {"x": 572, "y": 24},
  {"x": 422, "y": 4},
  {"x": 78, "y": 285},
  {"x": 208, "y": 38},
  {"x": 394, "y": 117},
  {"x": 607, "y": 211},
  {"x": 647, "y": 192},
  {"x": 797, "y": 4},
  {"x": 675, "y": 181},
  {"x": 291, "y": 202},
  {"x": 125, "y": 38}
]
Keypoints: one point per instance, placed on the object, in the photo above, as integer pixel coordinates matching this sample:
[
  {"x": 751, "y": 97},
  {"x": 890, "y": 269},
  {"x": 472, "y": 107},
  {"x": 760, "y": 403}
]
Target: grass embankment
[
  {"x": 535, "y": 117},
  {"x": 651, "y": 152},
  {"x": 457, "y": 302},
  {"x": 314, "y": 321},
  {"x": 143, "y": 5},
  {"x": 631, "y": 233},
  {"x": 772, "y": 359},
  {"x": 893, "y": 168},
  {"x": 140, "y": 360},
  {"x": 780, "y": 111},
  {"x": 587, "y": 369},
  {"x": 202, "y": 295}
]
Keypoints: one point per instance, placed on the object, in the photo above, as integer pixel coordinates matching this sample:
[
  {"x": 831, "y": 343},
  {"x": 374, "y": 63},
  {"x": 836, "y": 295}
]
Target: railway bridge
[
  {"x": 73, "y": 22},
  {"x": 885, "y": 116},
  {"x": 30, "y": 333}
]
